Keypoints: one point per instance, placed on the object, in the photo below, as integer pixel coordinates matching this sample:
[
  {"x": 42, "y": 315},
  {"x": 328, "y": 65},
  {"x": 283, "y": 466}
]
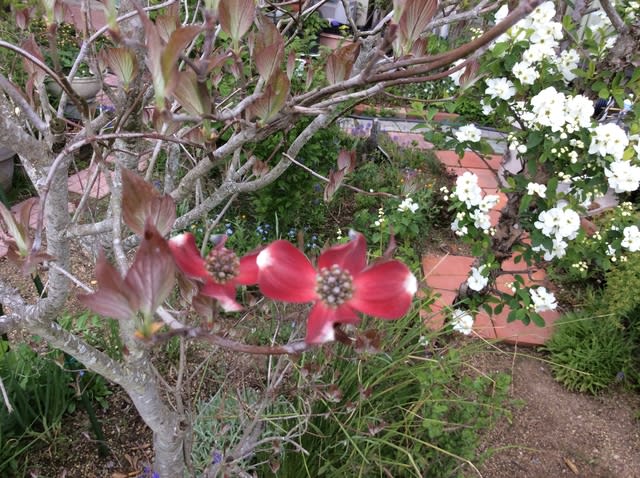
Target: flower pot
[
  {"x": 7, "y": 157},
  {"x": 333, "y": 41},
  {"x": 85, "y": 87}
]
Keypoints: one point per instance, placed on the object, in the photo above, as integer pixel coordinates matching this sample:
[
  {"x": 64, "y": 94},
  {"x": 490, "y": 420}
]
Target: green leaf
[
  {"x": 604, "y": 93},
  {"x": 535, "y": 138},
  {"x": 537, "y": 319}
]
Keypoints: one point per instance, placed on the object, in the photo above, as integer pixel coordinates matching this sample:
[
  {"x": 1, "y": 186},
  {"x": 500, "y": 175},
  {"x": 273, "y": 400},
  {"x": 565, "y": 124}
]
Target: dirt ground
[{"x": 557, "y": 433}]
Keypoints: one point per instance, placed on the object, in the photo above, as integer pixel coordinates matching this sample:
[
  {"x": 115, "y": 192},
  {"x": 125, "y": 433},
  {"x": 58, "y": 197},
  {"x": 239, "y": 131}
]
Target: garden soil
[{"x": 556, "y": 433}]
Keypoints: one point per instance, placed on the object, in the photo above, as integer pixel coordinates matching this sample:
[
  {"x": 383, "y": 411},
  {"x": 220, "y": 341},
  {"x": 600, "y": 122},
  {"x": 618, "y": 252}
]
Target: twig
[
  {"x": 321, "y": 177},
  {"x": 615, "y": 18},
  {"x": 215, "y": 222}
]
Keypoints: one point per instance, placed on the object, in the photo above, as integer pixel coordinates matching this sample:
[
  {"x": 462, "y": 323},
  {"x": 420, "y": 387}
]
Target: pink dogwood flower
[
  {"x": 221, "y": 271},
  {"x": 341, "y": 285}
]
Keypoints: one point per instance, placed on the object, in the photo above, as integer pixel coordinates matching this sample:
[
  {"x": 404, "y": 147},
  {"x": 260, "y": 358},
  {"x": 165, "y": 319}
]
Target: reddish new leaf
[
  {"x": 152, "y": 274},
  {"x": 291, "y": 63},
  {"x": 347, "y": 161},
  {"x": 470, "y": 75},
  {"x": 335, "y": 180},
  {"x": 260, "y": 168},
  {"x": 141, "y": 202},
  {"x": 269, "y": 50},
  {"x": 154, "y": 56},
  {"x": 178, "y": 40},
  {"x": 236, "y": 17},
  {"x": 123, "y": 63},
  {"x": 416, "y": 15},
  {"x": 189, "y": 93},
  {"x": 166, "y": 25},
  {"x": 113, "y": 298},
  {"x": 340, "y": 63},
  {"x": 273, "y": 98}
]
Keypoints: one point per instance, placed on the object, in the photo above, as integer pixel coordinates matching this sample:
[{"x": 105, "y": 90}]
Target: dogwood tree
[{"x": 203, "y": 85}]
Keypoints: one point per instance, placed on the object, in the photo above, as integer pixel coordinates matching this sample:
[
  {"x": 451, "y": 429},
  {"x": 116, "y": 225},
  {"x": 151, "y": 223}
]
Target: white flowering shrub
[{"x": 539, "y": 83}]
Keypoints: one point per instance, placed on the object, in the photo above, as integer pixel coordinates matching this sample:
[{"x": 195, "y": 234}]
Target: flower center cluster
[
  {"x": 334, "y": 285},
  {"x": 223, "y": 265}
]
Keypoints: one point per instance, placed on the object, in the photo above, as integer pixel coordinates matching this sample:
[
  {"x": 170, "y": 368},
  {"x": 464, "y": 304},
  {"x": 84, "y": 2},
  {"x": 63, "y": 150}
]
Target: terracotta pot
[
  {"x": 332, "y": 41},
  {"x": 85, "y": 87},
  {"x": 7, "y": 157}
]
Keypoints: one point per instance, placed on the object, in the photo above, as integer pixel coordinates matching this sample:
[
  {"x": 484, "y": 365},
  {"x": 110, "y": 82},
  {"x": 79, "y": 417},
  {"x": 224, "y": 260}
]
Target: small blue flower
[{"x": 216, "y": 457}]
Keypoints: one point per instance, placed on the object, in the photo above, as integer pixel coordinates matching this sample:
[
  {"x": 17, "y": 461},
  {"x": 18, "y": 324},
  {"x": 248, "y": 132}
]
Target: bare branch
[{"x": 615, "y": 18}]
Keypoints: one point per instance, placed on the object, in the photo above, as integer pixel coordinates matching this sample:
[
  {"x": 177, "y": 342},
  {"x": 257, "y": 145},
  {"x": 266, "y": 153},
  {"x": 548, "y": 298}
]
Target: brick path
[{"x": 445, "y": 273}]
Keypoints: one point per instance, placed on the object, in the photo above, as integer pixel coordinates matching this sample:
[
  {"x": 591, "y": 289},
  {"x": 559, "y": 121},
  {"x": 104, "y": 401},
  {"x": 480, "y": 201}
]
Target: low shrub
[{"x": 590, "y": 353}]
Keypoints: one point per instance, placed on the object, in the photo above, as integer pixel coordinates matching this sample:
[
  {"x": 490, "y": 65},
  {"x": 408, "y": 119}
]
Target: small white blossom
[
  {"x": 525, "y": 73},
  {"x": 502, "y": 88},
  {"x": 631, "y": 238},
  {"x": 610, "y": 139},
  {"x": 536, "y": 188},
  {"x": 408, "y": 205},
  {"x": 623, "y": 176},
  {"x": 462, "y": 321},
  {"x": 476, "y": 280},
  {"x": 468, "y": 133},
  {"x": 542, "y": 299}
]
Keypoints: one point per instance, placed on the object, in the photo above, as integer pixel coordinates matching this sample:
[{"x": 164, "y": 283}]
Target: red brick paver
[
  {"x": 445, "y": 273},
  {"x": 79, "y": 182}
]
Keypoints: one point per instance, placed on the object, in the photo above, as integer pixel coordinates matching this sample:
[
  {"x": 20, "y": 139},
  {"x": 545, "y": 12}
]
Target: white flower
[
  {"x": 468, "y": 133},
  {"x": 462, "y": 321},
  {"x": 525, "y": 73},
  {"x": 558, "y": 223},
  {"x": 610, "y": 139},
  {"x": 459, "y": 231},
  {"x": 536, "y": 188},
  {"x": 501, "y": 13},
  {"x": 548, "y": 107},
  {"x": 488, "y": 202},
  {"x": 467, "y": 189},
  {"x": 558, "y": 249},
  {"x": 487, "y": 109},
  {"x": 631, "y": 239},
  {"x": 476, "y": 280},
  {"x": 578, "y": 111},
  {"x": 408, "y": 205},
  {"x": 567, "y": 62},
  {"x": 502, "y": 88},
  {"x": 543, "y": 300},
  {"x": 481, "y": 220},
  {"x": 623, "y": 176}
]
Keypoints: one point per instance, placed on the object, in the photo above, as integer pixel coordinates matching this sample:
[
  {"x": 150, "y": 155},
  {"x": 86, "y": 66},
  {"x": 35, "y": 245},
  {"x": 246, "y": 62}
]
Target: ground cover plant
[{"x": 212, "y": 104}]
